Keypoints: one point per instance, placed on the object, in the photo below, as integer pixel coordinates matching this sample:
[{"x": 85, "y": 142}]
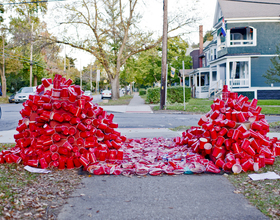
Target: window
[
  {"x": 239, "y": 74},
  {"x": 214, "y": 76},
  {"x": 242, "y": 36}
]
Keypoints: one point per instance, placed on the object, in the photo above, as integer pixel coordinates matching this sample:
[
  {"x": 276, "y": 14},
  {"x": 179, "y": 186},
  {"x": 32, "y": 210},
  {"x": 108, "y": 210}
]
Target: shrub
[
  {"x": 174, "y": 94},
  {"x": 142, "y": 92}
]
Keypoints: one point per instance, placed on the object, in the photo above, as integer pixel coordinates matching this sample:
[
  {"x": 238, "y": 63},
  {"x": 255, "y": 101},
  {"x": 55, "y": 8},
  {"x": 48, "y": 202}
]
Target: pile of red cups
[
  {"x": 62, "y": 128},
  {"x": 233, "y": 134}
]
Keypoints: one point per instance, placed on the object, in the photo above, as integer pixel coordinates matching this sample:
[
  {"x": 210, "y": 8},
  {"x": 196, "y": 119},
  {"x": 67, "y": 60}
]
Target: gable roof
[{"x": 249, "y": 8}]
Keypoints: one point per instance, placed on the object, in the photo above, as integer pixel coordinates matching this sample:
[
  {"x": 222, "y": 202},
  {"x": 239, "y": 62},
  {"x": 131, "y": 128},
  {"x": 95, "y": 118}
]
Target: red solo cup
[
  {"x": 8, "y": 158},
  {"x": 108, "y": 143},
  {"x": 77, "y": 111},
  {"x": 48, "y": 142},
  {"x": 21, "y": 127},
  {"x": 49, "y": 131},
  {"x": 54, "y": 163},
  {"x": 81, "y": 103},
  {"x": 57, "y": 105},
  {"x": 277, "y": 150},
  {"x": 83, "y": 161},
  {"x": 68, "y": 82},
  {"x": 81, "y": 127},
  {"x": 234, "y": 116},
  {"x": 202, "y": 141},
  {"x": 236, "y": 134},
  {"x": 236, "y": 168},
  {"x": 33, "y": 163},
  {"x": 112, "y": 155},
  {"x": 216, "y": 151},
  {"x": 2, "y": 159},
  {"x": 92, "y": 157},
  {"x": 265, "y": 142},
  {"x": 56, "y": 93},
  {"x": 65, "y": 131},
  {"x": 46, "y": 98},
  {"x": 256, "y": 126},
  {"x": 57, "y": 117},
  {"x": 120, "y": 154},
  {"x": 210, "y": 167},
  {"x": 220, "y": 141},
  {"x": 267, "y": 153},
  {"x": 261, "y": 160},
  {"x": 56, "y": 137},
  {"x": 254, "y": 134},
  {"x": 227, "y": 166},
  {"x": 208, "y": 148},
  {"x": 55, "y": 156},
  {"x": 47, "y": 106},
  {"x": 102, "y": 126},
  {"x": 228, "y": 144},
  {"x": 202, "y": 120},
  {"x": 223, "y": 132},
  {"x": 64, "y": 93},
  {"x": 241, "y": 117},
  {"x": 61, "y": 162},
  {"x": 246, "y": 134},
  {"x": 215, "y": 114},
  {"x": 80, "y": 142},
  {"x": 53, "y": 148},
  {"x": 15, "y": 158},
  {"x": 85, "y": 134},
  {"x": 247, "y": 165},
  {"x": 220, "y": 163},
  {"x": 230, "y": 158},
  {"x": 72, "y": 96},
  {"x": 228, "y": 115},
  {"x": 230, "y": 133},
  {"x": 254, "y": 103},
  {"x": 67, "y": 145},
  {"x": 245, "y": 144},
  {"x": 213, "y": 134},
  {"x": 70, "y": 163},
  {"x": 72, "y": 130},
  {"x": 113, "y": 125},
  {"x": 236, "y": 148},
  {"x": 258, "y": 110},
  {"x": 102, "y": 155},
  {"x": 63, "y": 151},
  {"x": 46, "y": 82},
  {"x": 269, "y": 161},
  {"x": 250, "y": 150},
  {"x": 43, "y": 163},
  {"x": 18, "y": 136},
  {"x": 115, "y": 145},
  {"x": 264, "y": 124},
  {"x": 71, "y": 140},
  {"x": 242, "y": 128},
  {"x": 230, "y": 123}
]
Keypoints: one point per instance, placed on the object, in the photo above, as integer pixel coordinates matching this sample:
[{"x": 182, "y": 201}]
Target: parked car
[
  {"x": 23, "y": 94},
  {"x": 12, "y": 98},
  {"x": 88, "y": 93},
  {"x": 106, "y": 94}
]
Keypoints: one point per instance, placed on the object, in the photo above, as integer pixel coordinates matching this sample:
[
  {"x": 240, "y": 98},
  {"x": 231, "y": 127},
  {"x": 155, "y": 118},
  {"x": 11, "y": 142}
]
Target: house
[{"x": 244, "y": 40}]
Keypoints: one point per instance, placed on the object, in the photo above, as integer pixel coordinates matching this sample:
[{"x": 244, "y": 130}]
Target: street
[{"x": 11, "y": 116}]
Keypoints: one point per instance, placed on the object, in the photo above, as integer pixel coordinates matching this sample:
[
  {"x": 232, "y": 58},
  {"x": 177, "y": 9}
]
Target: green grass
[
  {"x": 124, "y": 100},
  {"x": 5, "y": 100},
  {"x": 269, "y": 102},
  {"x": 264, "y": 194},
  {"x": 268, "y": 110},
  {"x": 180, "y": 128}
]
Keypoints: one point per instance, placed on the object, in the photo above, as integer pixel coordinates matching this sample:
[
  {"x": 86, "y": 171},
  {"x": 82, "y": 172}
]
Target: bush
[
  {"x": 174, "y": 94},
  {"x": 142, "y": 92}
]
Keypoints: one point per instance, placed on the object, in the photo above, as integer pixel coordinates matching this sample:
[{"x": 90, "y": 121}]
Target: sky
[{"x": 152, "y": 11}]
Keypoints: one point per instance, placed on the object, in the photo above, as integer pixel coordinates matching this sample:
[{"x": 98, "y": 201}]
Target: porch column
[
  {"x": 227, "y": 74},
  {"x": 210, "y": 79},
  {"x": 199, "y": 82}
]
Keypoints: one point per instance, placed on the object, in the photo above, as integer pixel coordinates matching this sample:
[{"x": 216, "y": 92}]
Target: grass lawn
[
  {"x": 124, "y": 100},
  {"x": 269, "y": 107},
  {"x": 264, "y": 194},
  {"x": 5, "y": 100}
]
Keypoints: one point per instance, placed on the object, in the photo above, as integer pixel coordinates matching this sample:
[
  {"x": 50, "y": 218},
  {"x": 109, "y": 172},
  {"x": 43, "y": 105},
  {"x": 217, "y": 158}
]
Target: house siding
[
  {"x": 259, "y": 66},
  {"x": 267, "y": 34}
]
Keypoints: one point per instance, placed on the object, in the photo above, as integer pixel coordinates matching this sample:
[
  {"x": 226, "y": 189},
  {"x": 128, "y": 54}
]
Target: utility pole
[
  {"x": 31, "y": 50},
  {"x": 4, "y": 85},
  {"x": 184, "y": 85},
  {"x": 81, "y": 78},
  {"x": 64, "y": 70},
  {"x": 90, "y": 77},
  {"x": 164, "y": 56}
]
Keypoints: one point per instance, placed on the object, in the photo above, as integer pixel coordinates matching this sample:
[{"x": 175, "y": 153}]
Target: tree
[
  {"x": 208, "y": 36},
  {"x": 1, "y": 12},
  {"x": 114, "y": 33},
  {"x": 273, "y": 73}
]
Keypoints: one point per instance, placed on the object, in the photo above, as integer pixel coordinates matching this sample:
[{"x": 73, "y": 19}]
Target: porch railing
[
  {"x": 239, "y": 82},
  {"x": 216, "y": 88},
  {"x": 241, "y": 42}
]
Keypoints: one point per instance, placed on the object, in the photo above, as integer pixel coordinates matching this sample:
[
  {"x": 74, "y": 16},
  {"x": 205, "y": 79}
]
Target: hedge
[
  {"x": 174, "y": 94},
  {"x": 142, "y": 92}
]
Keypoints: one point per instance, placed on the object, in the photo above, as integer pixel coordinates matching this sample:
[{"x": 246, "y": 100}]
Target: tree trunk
[
  {"x": 4, "y": 86},
  {"x": 115, "y": 87},
  {"x": 35, "y": 80}
]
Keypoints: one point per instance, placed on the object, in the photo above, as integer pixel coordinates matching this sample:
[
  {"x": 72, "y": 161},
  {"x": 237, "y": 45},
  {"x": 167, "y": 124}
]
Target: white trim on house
[
  {"x": 242, "y": 43},
  {"x": 256, "y": 19}
]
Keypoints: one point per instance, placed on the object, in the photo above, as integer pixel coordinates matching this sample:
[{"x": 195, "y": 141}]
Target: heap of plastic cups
[
  {"x": 62, "y": 128},
  {"x": 233, "y": 135}
]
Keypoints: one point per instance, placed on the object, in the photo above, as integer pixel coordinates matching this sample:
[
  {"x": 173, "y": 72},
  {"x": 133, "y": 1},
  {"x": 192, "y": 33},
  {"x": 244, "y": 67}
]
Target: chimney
[{"x": 200, "y": 39}]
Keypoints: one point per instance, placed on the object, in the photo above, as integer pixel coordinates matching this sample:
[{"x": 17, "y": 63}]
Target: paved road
[{"x": 11, "y": 116}]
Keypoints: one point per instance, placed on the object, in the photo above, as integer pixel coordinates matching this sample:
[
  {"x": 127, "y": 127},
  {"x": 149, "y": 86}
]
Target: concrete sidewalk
[{"x": 136, "y": 105}]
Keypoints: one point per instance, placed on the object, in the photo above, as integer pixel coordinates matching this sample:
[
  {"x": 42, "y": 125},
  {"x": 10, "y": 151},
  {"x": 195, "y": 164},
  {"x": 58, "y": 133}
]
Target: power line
[
  {"x": 255, "y": 2},
  {"x": 19, "y": 3}
]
